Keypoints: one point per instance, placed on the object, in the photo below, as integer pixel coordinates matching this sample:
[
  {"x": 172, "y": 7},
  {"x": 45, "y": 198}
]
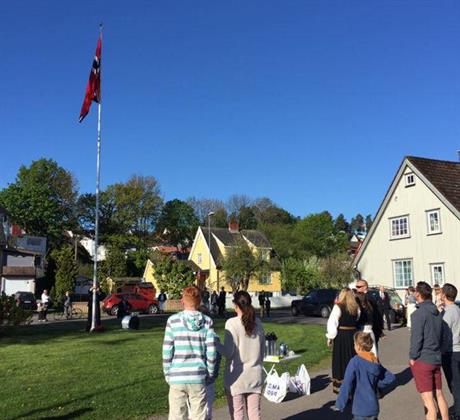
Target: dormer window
[{"x": 410, "y": 179}]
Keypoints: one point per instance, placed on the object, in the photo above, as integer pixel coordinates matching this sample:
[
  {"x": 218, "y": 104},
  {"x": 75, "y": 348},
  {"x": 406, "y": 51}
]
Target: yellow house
[
  {"x": 209, "y": 246},
  {"x": 149, "y": 272}
]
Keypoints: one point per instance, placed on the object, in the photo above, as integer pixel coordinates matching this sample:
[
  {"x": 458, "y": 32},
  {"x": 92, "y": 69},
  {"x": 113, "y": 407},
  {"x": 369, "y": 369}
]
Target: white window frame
[
  {"x": 399, "y": 218},
  {"x": 405, "y": 283},
  {"x": 199, "y": 258},
  {"x": 266, "y": 279},
  {"x": 432, "y": 271},
  {"x": 428, "y": 222},
  {"x": 410, "y": 179}
]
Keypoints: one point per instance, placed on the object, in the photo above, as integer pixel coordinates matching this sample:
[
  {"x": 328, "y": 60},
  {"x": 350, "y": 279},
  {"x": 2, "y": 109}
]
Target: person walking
[
  {"x": 162, "y": 298},
  {"x": 221, "y": 301},
  {"x": 364, "y": 377},
  {"x": 370, "y": 320},
  {"x": 46, "y": 301},
  {"x": 411, "y": 305},
  {"x": 341, "y": 327},
  {"x": 425, "y": 353},
  {"x": 244, "y": 345},
  {"x": 189, "y": 356},
  {"x": 437, "y": 297},
  {"x": 214, "y": 299},
  {"x": 68, "y": 305},
  {"x": 262, "y": 303},
  {"x": 451, "y": 344},
  {"x": 383, "y": 304},
  {"x": 268, "y": 305},
  {"x": 205, "y": 298}
]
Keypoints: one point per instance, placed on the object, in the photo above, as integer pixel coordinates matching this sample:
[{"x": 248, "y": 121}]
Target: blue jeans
[{"x": 365, "y": 418}]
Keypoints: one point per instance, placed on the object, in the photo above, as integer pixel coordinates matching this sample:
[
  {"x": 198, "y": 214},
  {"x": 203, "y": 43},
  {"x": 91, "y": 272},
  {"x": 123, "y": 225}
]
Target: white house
[{"x": 416, "y": 232}]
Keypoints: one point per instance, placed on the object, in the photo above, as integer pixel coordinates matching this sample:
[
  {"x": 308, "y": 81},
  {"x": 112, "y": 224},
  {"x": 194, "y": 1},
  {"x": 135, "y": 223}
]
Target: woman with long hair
[
  {"x": 243, "y": 347},
  {"x": 368, "y": 318},
  {"x": 341, "y": 327}
]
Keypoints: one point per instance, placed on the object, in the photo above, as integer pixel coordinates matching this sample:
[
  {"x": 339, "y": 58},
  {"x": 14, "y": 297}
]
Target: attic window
[{"x": 410, "y": 180}]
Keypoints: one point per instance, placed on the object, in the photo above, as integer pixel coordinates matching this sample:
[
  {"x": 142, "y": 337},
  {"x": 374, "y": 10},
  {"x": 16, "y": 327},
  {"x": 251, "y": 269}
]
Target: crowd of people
[{"x": 355, "y": 327}]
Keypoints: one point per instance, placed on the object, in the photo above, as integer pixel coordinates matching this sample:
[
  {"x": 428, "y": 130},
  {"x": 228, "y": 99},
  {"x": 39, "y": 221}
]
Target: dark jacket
[
  {"x": 426, "y": 334},
  {"x": 362, "y": 378},
  {"x": 383, "y": 304},
  {"x": 377, "y": 318}
]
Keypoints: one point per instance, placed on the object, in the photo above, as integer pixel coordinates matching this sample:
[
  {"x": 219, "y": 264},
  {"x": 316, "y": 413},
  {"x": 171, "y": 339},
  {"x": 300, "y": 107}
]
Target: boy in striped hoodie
[{"x": 189, "y": 355}]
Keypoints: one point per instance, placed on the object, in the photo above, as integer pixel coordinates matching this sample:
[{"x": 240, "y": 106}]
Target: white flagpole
[{"x": 98, "y": 179}]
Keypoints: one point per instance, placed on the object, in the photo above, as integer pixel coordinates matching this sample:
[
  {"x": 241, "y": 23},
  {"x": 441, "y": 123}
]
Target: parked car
[
  {"x": 397, "y": 311},
  {"x": 315, "y": 302},
  {"x": 138, "y": 303},
  {"x": 26, "y": 300},
  {"x": 144, "y": 289}
]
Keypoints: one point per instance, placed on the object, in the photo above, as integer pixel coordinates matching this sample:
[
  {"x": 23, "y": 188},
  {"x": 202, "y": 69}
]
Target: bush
[{"x": 11, "y": 313}]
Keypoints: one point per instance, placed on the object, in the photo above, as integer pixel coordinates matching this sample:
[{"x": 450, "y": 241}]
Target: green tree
[
  {"x": 357, "y": 223},
  {"x": 316, "y": 235},
  {"x": 341, "y": 224},
  {"x": 283, "y": 240},
  {"x": 177, "y": 223},
  {"x": 173, "y": 276},
  {"x": 220, "y": 218},
  {"x": 336, "y": 271},
  {"x": 247, "y": 218},
  {"x": 368, "y": 222},
  {"x": 66, "y": 272},
  {"x": 275, "y": 215},
  {"x": 241, "y": 264},
  {"x": 204, "y": 206},
  {"x": 42, "y": 200},
  {"x": 300, "y": 275}
]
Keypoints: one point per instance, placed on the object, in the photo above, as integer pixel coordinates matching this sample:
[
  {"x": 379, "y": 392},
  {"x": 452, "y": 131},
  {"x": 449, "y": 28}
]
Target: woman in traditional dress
[
  {"x": 369, "y": 319},
  {"x": 341, "y": 327}
]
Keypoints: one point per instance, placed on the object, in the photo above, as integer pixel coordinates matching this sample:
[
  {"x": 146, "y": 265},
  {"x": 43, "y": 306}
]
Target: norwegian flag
[{"x": 93, "y": 88}]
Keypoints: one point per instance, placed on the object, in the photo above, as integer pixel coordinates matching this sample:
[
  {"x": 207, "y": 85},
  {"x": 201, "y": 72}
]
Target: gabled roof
[
  {"x": 442, "y": 177},
  {"x": 231, "y": 239}
]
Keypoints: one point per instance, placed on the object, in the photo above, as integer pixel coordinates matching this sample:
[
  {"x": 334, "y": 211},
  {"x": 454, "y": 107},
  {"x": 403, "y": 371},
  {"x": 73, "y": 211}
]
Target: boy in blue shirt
[{"x": 363, "y": 376}]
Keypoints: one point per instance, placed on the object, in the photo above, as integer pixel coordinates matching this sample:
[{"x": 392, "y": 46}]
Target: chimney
[{"x": 233, "y": 227}]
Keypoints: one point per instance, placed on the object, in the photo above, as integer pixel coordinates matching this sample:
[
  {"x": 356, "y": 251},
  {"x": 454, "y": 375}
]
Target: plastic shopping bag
[
  {"x": 276, "y": 387},
  {"x": 302, "y": 381}
]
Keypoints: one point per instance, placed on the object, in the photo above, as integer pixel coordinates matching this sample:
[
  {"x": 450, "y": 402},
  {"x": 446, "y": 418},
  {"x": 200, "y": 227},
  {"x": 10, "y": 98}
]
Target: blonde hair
[{"x": 347, "y": 300}]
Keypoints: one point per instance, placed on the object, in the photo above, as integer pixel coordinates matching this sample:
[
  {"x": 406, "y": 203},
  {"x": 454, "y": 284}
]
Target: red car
[{"x": 138, "y": 303}]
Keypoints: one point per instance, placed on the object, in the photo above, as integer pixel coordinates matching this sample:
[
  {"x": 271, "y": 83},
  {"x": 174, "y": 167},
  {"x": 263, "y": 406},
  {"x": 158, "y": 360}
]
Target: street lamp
[{"x": 210, "y": 214}]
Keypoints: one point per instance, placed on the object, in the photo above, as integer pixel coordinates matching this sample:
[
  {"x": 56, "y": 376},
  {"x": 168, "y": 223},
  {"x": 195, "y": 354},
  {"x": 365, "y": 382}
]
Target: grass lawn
[{"x": 59, "y": 371}]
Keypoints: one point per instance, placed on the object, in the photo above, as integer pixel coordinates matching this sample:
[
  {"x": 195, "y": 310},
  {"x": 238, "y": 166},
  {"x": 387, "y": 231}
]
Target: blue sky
[{"x": 311, "y": 103}]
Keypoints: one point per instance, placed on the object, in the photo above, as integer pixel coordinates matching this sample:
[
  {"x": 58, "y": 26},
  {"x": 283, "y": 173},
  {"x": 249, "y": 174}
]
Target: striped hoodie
[{"x": 189, "y": 351}]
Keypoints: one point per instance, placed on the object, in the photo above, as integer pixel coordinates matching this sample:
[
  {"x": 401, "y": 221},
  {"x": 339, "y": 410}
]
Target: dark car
[
  {"x": 138, "y": 303},
  {"x": 397, "y": 311},
  {"x": 26, "y": 300},
  {"x": 315, "y": 302}
]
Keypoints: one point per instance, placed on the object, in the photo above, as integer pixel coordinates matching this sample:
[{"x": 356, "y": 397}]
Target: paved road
[{"x": 402, "y": 402}]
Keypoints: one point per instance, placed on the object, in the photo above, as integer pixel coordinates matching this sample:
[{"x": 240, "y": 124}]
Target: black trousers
[
  {"x": 451, "y": 368},
  {"x": 386, "y": 314}
]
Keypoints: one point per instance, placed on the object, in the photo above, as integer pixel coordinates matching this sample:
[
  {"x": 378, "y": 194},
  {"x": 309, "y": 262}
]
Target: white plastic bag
[
  {"x": 302, "y": 381},
  {"x": 276, "y": 386}
]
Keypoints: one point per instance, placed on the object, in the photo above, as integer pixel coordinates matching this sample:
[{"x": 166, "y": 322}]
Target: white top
[
  {"x": 45, "y": 298},
  {"x": 244, "y": 369},
  {"x": 333, "y": 322}
]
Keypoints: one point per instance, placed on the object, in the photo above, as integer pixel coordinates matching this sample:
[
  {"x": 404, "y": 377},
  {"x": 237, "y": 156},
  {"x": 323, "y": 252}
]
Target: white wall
[
  {"x": 376, "y": 264},
  {"x": 12, "y": 285}
]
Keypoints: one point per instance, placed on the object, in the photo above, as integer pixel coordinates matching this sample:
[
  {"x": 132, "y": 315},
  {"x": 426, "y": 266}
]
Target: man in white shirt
[{"x": 45, "y": 302}]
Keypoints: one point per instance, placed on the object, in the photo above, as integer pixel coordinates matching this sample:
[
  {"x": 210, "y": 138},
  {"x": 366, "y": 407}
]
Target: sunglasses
[{"x": 360, "y": 287}]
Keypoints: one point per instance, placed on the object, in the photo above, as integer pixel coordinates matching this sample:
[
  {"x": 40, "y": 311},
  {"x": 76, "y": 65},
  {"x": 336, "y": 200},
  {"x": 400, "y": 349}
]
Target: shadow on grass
[
  {"x": 72, "y": 415},
  {"x": 36, "y": 334},
  {"x": 36, "y": 412},
  {"x": 324, "y": 413}
]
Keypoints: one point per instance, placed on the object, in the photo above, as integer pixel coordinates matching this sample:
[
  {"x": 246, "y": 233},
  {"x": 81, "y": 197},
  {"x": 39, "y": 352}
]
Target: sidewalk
[{"x": 402, "y": 402}]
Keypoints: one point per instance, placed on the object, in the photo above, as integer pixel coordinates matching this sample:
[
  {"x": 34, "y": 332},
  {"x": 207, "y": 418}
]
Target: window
[
  {"x": 403, "y": 275},
  {"x": 399, "y": 227},
  {"x": 437, "y": 273},
  {"x": 433, "y": 218},
  {"x": 266, "y": 279},
  {"x": 199, "y": 259},
  {"x": 410, "y": 180}
]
